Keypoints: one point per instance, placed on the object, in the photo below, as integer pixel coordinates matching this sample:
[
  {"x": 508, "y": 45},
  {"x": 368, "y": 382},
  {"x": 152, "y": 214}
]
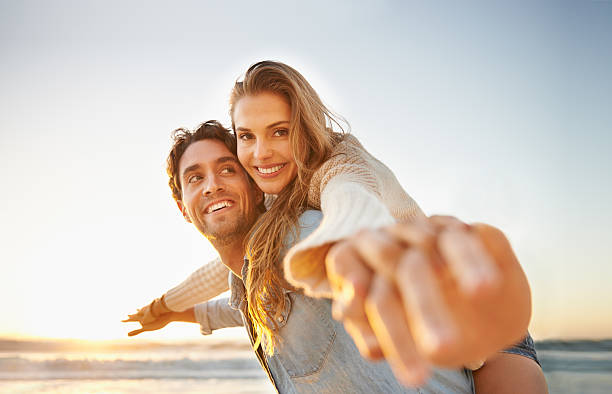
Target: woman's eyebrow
[{"x": 271, "y": 125}]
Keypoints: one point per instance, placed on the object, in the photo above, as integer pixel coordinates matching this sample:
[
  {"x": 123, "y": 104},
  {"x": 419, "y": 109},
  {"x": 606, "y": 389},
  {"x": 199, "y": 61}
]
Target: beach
[{"x": 225, "y": 367}]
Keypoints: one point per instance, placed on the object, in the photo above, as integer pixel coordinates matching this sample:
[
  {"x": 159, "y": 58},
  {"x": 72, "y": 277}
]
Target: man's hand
[{"x": 435, "y": 292}]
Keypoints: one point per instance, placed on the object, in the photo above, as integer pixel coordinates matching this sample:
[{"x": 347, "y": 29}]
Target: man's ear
[{"x": 183, "y": 210}]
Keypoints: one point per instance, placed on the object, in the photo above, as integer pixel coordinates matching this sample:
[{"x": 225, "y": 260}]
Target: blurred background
[{"x": 490, "y": 111}]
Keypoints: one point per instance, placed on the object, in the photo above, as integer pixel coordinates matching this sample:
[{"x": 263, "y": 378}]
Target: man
[{"x": 314, "y": 353}]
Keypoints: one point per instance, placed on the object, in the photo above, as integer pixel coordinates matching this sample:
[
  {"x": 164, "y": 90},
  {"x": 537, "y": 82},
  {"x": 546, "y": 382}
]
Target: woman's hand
[
  {"x": 151, "y": 315},
  {"x": 434, "y": 292},
  {"x": 159, "y": 323}
]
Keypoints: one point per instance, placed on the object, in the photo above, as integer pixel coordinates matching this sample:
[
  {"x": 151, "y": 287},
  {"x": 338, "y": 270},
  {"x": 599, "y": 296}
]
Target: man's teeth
[
  {"x": 270, "y": 169},
  {"x": 219, "y": 205}
]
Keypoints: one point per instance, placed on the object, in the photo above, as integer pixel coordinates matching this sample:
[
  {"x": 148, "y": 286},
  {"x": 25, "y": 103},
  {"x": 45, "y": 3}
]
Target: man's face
[{"x": 217, "y": 196}]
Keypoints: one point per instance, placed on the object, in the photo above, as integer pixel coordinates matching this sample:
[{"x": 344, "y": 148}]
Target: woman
[{"x": 286, "y": 143}]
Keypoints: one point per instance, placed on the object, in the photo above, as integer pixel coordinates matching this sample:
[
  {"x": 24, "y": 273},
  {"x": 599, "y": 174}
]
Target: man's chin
[{"x": 226, "y": 234}]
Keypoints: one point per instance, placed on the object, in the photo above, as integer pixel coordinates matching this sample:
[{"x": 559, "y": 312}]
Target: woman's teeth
[{"x": 269, "y": 170}]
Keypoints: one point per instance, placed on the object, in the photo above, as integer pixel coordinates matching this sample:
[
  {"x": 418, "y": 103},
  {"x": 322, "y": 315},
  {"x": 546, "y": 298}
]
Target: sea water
[
  {"x": 230, "y": 368},
  {"x": 181, "y": 368}
]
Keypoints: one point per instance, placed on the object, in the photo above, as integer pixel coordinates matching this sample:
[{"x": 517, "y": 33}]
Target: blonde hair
[{"x": 312, "y": 140}]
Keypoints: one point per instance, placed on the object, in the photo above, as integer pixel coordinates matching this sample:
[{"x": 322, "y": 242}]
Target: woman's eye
[
  {"x": 281, "y": 132},
  {"x": 245, "y": 136}
]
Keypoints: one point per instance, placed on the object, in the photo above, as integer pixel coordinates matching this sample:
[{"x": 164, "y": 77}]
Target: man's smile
[{"x": 218, "y": 205}]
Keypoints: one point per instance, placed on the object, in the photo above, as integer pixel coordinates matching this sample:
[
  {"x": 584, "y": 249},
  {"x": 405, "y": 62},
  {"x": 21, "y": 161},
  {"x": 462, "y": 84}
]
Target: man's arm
[
  {"x": 216, "y": 314},
  {"x": 162, "y": 321},
  {"x": 207, "y": 282},
  {"x": 211, "y": 315}
]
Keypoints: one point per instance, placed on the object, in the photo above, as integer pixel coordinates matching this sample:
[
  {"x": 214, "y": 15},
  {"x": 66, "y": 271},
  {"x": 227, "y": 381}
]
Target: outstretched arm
[
  {"x": 211, "y": 315},
  {"x": 355, "y": 191},
  {"x": 162, "y": 321},
  {"x": 434, "y": 292},
  {"x": 207, "y": 282}
]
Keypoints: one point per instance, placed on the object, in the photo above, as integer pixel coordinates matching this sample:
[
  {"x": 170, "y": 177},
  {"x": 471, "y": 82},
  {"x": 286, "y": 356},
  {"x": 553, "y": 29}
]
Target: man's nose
[
  {"x": 213, "y": 185},
  {"x": 262, "y": 150}
]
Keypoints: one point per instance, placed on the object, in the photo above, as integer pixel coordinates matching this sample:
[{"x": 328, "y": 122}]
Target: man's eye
[
  {"x": 194, "y": 178},
  {"x": 228, "y": 170},
  {"x": 281, "y": 132}
]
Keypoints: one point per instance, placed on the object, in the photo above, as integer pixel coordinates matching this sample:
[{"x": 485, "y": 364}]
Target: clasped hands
[
  {"x": 151, "y": 317},
  {"x": 432, "y": 292}
]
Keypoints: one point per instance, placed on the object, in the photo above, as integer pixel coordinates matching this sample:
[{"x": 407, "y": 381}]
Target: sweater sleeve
[
  {"x": 355, "y": 191},
  {"x": 207, "y": 282}
]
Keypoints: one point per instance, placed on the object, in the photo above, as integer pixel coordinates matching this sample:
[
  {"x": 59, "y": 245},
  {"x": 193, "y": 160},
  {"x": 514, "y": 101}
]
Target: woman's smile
[{"x": 269, "y": 171}]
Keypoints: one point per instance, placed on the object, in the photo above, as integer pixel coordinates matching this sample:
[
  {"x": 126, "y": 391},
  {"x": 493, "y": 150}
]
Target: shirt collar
[{"x": 237, "y": 289}]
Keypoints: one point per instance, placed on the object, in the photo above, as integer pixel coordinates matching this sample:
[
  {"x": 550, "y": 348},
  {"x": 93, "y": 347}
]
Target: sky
[{"x": 491, "y": 111}]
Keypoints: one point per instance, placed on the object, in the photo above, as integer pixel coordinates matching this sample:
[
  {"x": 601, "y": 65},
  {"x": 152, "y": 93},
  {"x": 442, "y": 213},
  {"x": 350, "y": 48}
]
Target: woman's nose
[{"x": 262, "y": 150}]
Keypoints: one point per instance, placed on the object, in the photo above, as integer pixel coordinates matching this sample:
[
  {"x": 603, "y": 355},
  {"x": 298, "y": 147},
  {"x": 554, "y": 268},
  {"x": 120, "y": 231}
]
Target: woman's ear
[{"x": 183, "y": 210}]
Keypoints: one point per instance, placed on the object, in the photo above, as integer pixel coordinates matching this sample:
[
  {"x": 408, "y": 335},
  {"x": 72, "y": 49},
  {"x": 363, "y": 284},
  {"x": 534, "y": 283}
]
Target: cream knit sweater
[{"x": 354, "y": 191}]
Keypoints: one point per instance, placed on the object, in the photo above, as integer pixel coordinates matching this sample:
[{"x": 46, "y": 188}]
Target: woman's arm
[
  {"x": 211, "y": 315},
  {"x": 207, "y": 282},
  {"x": 403, "y": 292},
  {"x": 354, "y": 191},
  {"x": 510, "y": 373}
]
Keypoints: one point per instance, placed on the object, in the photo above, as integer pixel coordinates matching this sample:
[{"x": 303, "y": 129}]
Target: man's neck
[{"x": 232, "y": 256}]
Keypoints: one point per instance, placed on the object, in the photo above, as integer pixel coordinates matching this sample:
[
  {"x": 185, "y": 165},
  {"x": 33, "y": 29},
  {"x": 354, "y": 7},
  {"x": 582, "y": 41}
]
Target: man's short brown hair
[{"x": 209, "y": 130}]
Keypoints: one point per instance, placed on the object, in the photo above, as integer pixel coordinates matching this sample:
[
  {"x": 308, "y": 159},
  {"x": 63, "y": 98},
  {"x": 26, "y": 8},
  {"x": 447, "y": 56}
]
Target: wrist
[{"x": 159, "y": 307}]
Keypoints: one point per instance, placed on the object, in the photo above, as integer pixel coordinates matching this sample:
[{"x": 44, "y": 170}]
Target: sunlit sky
[{"x": 490, "y": 111}]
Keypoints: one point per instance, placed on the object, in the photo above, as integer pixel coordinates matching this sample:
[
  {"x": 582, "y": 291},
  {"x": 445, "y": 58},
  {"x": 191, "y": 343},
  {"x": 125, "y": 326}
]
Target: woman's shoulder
[{"x": 346, "y": 143}]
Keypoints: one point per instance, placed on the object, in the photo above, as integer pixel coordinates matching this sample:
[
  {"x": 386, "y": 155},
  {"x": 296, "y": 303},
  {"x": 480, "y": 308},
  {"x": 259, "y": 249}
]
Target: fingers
[
  {"x": 364, "y": 338},
  {"x": 386, "y": 315},
  {"x": 137, "y": 317},
  {"x": 475, "y": 271},
  {"x": 496, "y": 243},
  {"x": 379, "y": 250},
  {"x": 350, "y": 280},
  {"x": 441, "y": 222},
  {"x": 136, "y": 332},
  {"x": 419, "y": 233},
  {"x": 430, "y": 319}
]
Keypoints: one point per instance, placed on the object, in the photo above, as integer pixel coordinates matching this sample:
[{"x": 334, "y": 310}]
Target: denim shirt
[{"x": 315, "y": 353}]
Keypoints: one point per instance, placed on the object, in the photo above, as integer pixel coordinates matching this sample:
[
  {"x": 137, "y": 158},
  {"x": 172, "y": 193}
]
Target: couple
[{"x": 427, "y": 291}]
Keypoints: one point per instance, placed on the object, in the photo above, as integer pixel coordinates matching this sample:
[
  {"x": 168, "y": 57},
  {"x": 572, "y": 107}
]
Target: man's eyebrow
[
  {"x": 220, "y": 160},
  {"x": 190, "y": 168},
  {"x": 225, "y": 159},
  {"x": 271, "y": 125}
]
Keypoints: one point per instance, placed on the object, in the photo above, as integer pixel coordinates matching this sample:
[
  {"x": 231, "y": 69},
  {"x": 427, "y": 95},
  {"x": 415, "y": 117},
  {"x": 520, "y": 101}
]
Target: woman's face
[{"x": 262, "y": 130}]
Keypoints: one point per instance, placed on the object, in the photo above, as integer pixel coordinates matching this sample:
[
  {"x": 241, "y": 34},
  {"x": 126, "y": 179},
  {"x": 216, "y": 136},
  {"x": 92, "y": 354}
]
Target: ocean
[{"x": 54, "y": 367}]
